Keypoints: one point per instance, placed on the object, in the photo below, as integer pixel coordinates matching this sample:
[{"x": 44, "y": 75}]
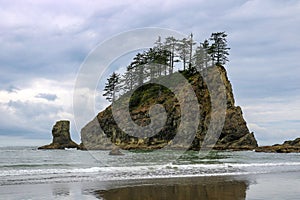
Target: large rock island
[
  {"x": 61, "y": 137},
  {"x": 103, "y": 132}
]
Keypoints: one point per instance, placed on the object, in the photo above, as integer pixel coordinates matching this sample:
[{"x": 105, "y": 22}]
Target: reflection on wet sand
[
  {"x": 60, "y": 191},
  {"x": 187, "y": 188}
]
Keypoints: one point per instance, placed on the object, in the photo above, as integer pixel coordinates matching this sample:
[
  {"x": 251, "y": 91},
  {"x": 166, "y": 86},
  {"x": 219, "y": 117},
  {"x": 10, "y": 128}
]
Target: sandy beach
[
  {"x": 226, "y": 188},
  {"x": 259, "y": 186}
]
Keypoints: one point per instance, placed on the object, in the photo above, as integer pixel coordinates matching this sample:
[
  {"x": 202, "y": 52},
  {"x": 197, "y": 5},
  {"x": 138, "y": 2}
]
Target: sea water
[{"x": 29, "y": 166}]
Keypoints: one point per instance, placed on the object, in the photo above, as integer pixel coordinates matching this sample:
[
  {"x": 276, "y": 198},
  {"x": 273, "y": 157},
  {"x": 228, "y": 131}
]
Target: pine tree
[
  {"x": 151, "y": 63},
  {"x": 138, "y": 65},
  {"x": 161, "y": 57},
  {"x": 205, "y": 46},
  {"x": 199, "y": 58},
  {"x": 183, "y": 49},
  {"x": 219, "y": 49},
  {"x": 129, "y": 79},
  {"x": 170, "y": 46},
  {"x": 111, "y": 87}
]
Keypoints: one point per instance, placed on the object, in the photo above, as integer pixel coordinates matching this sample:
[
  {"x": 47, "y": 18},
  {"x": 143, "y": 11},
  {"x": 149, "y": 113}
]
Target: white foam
[
  {"x": 144, "y": 168},
  {"x": 142, "y": 172}
]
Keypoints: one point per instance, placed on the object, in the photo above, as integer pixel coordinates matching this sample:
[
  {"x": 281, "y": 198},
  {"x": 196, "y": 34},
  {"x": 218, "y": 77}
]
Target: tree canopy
[
  {"x": 111, "y": 87},
  {"x": 161, "y": 58}
]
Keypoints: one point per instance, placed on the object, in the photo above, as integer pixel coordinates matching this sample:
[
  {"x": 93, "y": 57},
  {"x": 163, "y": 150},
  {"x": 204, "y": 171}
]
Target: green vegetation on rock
[
  {"x": 235, "y": 134},
  {"x": 143, "y": 85}
]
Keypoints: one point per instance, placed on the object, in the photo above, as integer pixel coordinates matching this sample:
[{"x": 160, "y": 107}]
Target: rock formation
[
  {"x": 235, "y": 134},
  {"x": 61, "y": 137},
  {"x": 115, "y": 152},
  {"x": 94, "y": 138},
  {"x": 290, "y": 146}
]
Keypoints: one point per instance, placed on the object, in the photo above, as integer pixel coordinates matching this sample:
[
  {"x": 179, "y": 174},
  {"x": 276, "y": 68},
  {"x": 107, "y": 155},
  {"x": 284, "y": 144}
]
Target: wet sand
[
  {"x": 226, "y": 188},
  {"x": 258, "y": 187}
]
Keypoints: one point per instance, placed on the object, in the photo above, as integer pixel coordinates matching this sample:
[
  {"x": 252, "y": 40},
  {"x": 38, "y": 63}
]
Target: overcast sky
[{"x": 43, "y": 44}]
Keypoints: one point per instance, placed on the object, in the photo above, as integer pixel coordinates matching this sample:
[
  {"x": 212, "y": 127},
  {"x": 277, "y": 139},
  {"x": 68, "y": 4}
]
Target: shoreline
[{"x": 254, "y": 186}]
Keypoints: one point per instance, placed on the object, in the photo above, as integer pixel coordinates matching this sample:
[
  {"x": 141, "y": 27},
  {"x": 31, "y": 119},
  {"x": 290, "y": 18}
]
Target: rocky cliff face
[
  {"x": 235, "y": 134},
  {"x": 290, "y": 146},
  {"x": 93, "y": 137},
  {"x": 61, "y": 137}
]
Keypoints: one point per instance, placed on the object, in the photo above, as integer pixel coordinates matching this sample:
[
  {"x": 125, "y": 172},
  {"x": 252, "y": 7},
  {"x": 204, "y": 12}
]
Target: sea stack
[
  {"x": 61, "y": 136},
  {"x": 103, "y": 132}
]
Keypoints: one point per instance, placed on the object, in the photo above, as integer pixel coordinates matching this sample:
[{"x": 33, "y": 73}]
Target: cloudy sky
[{"x": 44, "y": 43}]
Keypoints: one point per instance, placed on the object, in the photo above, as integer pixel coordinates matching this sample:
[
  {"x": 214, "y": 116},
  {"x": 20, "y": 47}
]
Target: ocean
[{"x": 28, "y": 173}]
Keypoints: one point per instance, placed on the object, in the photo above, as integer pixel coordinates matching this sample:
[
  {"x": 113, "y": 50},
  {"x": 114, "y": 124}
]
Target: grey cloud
[
  {"x": 27, "y": 119},
  {"x": 8, "y": 87},
  {"x": 263, "y": 35},
  {"x": 49, "y": 97},
  {"x": 30, "y": 110}
]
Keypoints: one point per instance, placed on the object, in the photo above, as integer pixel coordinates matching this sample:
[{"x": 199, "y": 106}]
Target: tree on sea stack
[
  {"x": 170, "y": 45},
  {"x": 218, "y": 49},
  {"x": 183, "y": 49},
  {"x": 111, "y": 87},
  {"x": 128, "y": 79}
]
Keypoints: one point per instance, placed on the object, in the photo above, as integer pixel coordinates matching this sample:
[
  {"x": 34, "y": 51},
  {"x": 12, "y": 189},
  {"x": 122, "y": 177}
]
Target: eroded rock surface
[
  {"x": 235, "y": 134},
  {"x": 61, "y": 137}
]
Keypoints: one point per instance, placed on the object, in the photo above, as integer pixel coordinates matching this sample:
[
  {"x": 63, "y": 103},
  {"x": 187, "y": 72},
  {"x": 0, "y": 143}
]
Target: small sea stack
[{"x": 61, "y": 137}]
